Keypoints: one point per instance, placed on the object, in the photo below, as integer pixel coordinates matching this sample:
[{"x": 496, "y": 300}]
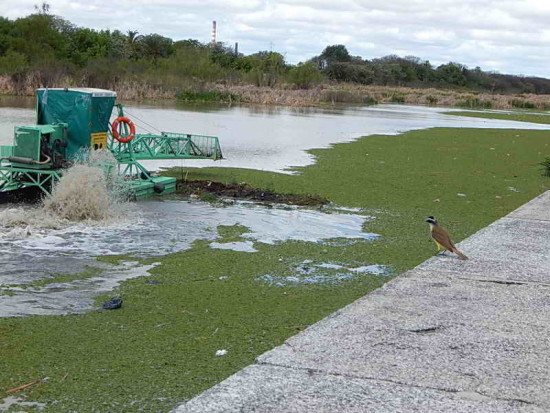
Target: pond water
[
  {"x": 272, "y": 139},
  {"x": 268, "y": 138},
  {"x": 155, "y": 228}
]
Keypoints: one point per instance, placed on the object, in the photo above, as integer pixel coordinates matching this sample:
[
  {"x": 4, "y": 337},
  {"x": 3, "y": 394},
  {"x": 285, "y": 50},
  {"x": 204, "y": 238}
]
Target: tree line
[
  {"x": 338, "y": 65},
  {"x": 54, "y": 51}
]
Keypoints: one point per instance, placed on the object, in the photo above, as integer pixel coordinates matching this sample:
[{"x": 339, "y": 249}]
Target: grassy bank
[
  {"x": 159, "y": 349},
  {"x": 520, "y": 117}
]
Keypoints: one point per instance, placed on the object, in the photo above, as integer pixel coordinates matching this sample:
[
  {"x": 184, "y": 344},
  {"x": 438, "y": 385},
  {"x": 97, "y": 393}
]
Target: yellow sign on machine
[{"x": 99, "y": 140}]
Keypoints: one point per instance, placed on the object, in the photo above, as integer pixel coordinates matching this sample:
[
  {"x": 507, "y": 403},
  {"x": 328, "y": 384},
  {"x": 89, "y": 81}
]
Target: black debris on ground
[{"x": 246, "y": 192}]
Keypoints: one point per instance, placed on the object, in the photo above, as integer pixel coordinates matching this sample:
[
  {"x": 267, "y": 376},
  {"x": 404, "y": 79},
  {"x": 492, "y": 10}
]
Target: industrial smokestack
[
  {"x": 214, "y": 32},
  {"x": 236, "y": 48}
]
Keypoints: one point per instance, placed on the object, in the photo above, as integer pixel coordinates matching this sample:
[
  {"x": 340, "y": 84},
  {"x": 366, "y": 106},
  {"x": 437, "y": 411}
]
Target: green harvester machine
[{"x": 70, "y": 122}]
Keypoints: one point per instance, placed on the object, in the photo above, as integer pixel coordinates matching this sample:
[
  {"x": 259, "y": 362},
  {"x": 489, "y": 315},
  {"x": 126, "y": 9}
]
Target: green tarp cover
[{"x": 85, "y": 110}]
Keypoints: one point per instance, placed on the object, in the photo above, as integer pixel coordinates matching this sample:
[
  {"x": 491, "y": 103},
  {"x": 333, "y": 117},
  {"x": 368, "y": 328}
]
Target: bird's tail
[{"x": 460, "y": 255}]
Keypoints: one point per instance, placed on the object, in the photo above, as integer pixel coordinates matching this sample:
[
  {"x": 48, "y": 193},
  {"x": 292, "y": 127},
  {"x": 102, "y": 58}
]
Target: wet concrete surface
[{"x": 447, "y": 336}]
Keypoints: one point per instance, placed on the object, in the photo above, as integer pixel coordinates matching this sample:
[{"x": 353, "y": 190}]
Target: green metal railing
[
  {"x": 168, "y": 145},
  {"x": 13, "y": 178}
]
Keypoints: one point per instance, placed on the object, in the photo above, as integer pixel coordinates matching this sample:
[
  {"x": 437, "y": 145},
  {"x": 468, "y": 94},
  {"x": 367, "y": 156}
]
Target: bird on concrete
[{"x": 442, "y": 239}]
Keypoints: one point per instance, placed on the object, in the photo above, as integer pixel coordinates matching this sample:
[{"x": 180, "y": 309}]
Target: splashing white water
[
  {"x": 90, "y": 191},
  {"x": 81, "y": 195}
]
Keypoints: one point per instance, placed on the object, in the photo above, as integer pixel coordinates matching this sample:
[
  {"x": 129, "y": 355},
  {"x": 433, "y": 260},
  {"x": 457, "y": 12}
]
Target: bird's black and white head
[{"x": 431, "y": 220}]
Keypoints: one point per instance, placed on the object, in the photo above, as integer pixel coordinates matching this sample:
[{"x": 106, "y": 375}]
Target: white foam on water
[
  {"x": 331, "y": 266},
  {"x": 370, "y": 269},
  {"x": 89, "y": 191},
  {"x": 239, "y": 246},
  {"x": 153, "y": 229},
  {"x": 11, "y": 402},
  {"x": 70, "y": 297},
  {"x": 309, "y": 272},
  {"x": 81, "y": 195}
]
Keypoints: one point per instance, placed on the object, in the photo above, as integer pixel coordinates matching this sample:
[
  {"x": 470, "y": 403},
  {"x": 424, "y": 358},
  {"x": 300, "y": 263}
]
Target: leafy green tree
[
  {"x": 332, "y": 54},
  {"x": 305, "y": 75},
  {"x": 118, "y": 46},
  {"x": 37, "y": 37},
  {"x": 13, "y": 62},
  {"x": 192, "y": 63},
  {"x": 425, "y": 72},
  {"x": 267, "y": 68},
  {"x": 132, "y": 38},
  {"x": 477, "y": 78},
  {"x": 350, "y": 72},
  {"x": 336, "y": 53},
  {"x": 155, "y": 46},
  {"x": 223, "y": 55},
  {"x": 82, "y": 46},
  {"x": 6, "y": 27},
  {"x": 452, "y": 73},
  {"x": 188, "y": 44}
]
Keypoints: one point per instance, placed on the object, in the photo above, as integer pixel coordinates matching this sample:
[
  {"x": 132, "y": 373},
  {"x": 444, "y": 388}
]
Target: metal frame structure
[
  {"x": 13, "y": 178},
  {"x": 141, "y": 183},
  {"x": 168, "y": 145}
]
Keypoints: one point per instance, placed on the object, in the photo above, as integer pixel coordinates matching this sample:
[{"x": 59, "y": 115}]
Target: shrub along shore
[{"x": 287, "y": 95}]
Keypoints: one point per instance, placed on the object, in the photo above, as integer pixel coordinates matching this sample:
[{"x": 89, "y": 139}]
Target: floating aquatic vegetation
[
  {"x": 308, "y": 272},
  {"x": 155, "y": 228}
]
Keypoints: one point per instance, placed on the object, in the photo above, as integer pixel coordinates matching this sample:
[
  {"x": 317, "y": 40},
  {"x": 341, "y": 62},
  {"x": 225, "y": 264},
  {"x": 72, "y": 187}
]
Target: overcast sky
[{"x": 509, "y": 36}]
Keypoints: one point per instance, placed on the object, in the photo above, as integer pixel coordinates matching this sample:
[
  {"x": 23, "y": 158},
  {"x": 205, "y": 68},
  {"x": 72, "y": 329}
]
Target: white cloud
[{"x": 506, "y": 35}]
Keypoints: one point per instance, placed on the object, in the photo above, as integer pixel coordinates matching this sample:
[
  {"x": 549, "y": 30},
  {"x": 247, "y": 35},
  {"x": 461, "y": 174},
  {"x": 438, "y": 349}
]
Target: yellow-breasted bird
[{"x": 442, "y": 239}]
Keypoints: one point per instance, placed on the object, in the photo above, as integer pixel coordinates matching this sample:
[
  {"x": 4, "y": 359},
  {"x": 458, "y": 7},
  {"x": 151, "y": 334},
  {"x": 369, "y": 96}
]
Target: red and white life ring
[{"x": 116, "y": 134}]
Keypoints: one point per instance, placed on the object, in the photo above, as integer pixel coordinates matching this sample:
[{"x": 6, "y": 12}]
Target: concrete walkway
[{"x": 449, "y": 336}]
